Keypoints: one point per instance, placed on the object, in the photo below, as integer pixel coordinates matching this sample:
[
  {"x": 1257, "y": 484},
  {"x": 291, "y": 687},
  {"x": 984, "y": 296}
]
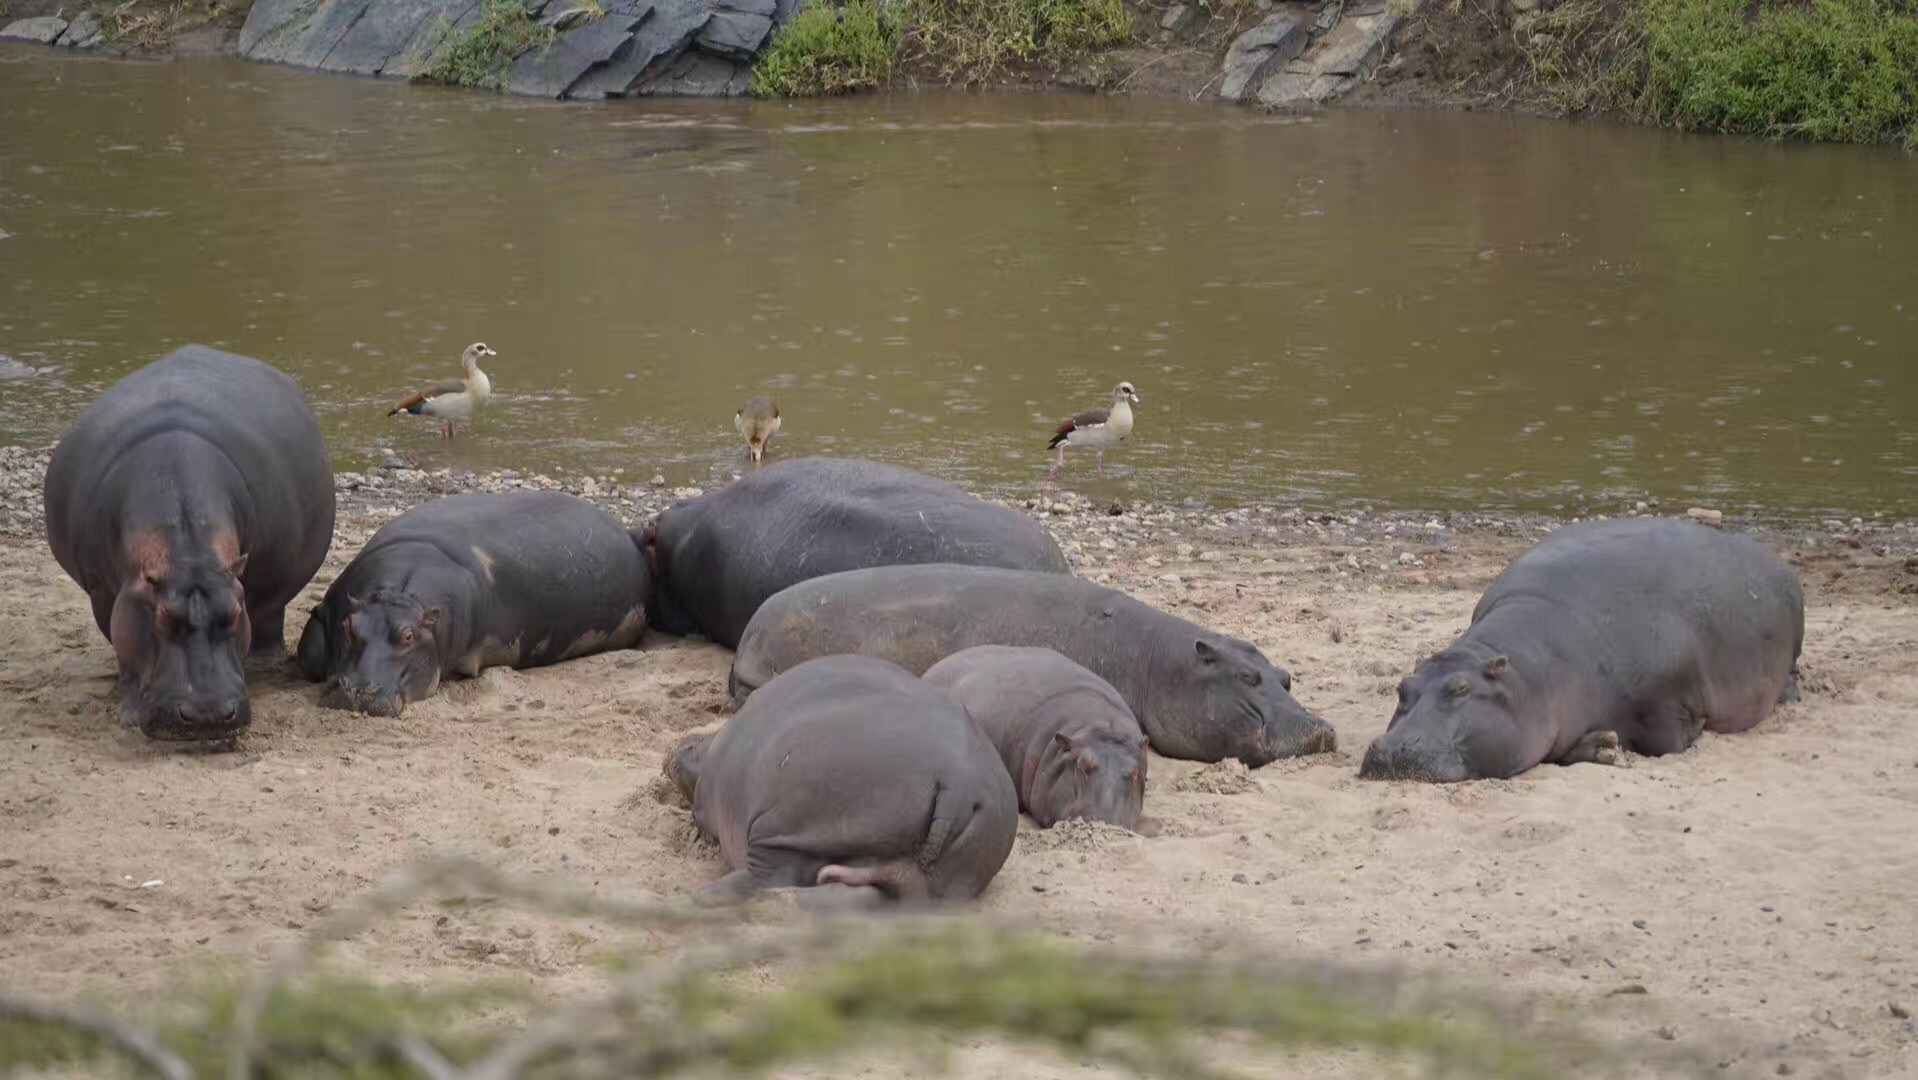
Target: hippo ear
[
  {"x": 1208, "y": 653},
  {"x": 238, "y": 566},
  {"x": 154, "y": 579},
  {"x": 1497, "y": 666},
  {"x": 430, "y": 618},
  {"x": 353, "y": 606},
  {"x": 1063, "y": 740}
]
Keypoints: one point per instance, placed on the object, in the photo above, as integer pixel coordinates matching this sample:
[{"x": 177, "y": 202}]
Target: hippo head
[
  {"x": 1252, "y": 700},
  {"x": 1454, "y": 721},
  {"x": 181, "y": 632},
  {"x": 1103, "y": 778},
  {"x": 388, "y": 655}
]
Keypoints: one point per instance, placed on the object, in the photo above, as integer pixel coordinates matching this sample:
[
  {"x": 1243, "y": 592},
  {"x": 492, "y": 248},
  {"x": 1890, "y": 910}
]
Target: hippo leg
[
  {"x": 1667, "y": 727},
  {"x": 129, "y": 699},
  {"x": 312, "y": 652},
  {"x": 735, "y": 888},
  {"x": 1790, "y": 692},
  {"x": 269, "y": 632},
  {"x": 1595, "y": 748}
]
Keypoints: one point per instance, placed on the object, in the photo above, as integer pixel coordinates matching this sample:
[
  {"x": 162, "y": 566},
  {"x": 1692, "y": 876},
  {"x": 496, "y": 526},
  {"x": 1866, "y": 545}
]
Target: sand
[{"x": 1759, "y": 888}]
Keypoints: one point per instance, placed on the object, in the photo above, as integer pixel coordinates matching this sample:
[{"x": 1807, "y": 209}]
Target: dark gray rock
[
  {"x": 385, "y": 30},
  {"x": 83, "y": 32},
  {"x": 306, "y": 42},
  {"x": 1355, "y": 45},
  {"x": 456, "y": 17},
  {"x": 548, "y": 71},
  {"x": 736, "y": 34},
  {"x": 662, "y": 37},
  {"x": 1262, "y": 50},
  {"x": 44, "y": 30},
  {"x": 268, "y": 18},
  {"x": 700, "y": 74}
]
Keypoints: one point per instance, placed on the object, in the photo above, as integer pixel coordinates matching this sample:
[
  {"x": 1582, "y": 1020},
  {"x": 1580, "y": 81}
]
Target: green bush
[
  {"x": 822, "y": 51},
  {"x": 1844, "y": 70},
  {"x": 975, "y": 39},
  {"x": 481, "y": 56}
]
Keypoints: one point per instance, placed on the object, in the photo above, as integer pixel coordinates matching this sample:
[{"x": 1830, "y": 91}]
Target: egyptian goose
[
  {"x": 454, "y": 399},
  {"x": 758, "y": 419},
  {"x": 1097, "y": 430}
]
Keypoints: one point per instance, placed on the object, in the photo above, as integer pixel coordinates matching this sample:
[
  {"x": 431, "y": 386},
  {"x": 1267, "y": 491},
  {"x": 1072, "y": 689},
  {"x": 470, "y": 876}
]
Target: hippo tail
[{"x": 646, "y": 539}]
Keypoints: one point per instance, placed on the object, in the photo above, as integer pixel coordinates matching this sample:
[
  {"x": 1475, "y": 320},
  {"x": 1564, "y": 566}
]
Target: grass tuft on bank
[
  {"x": 821, "y": 51},
  {"x": 860, "y": 44},
  {"x": 1838, "y": 70},
  {"x": 481, "y": 56}
]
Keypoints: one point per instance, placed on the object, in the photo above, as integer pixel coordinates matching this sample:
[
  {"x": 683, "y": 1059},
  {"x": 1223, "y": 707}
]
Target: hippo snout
[
  {"x": 1294, "y": 734},
  {"x": 356, "y": 696},
  {"x": 1389, "y": 759},
  {"x": 196, "y": 721}
]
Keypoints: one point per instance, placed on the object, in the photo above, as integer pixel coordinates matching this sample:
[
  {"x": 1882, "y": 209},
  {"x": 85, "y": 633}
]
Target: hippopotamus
[
  {"x": 192, "y": 501},
  {"x": 525, "y": 579},
  {"x": 1632, "y": 634},
  {"x": 850, "y": 772},
  {"x": 1199, "y": 695},
  {"x": 1072, "y": 746},
  {"x": 716, "y": 558}
]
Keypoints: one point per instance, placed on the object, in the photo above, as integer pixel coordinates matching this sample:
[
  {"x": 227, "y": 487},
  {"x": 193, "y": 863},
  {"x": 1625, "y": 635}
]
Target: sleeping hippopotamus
[
  {"x": 1072, "y": 746},
  {"x": 1199, "y": 695},
  {"x": 718, "y": 557},
  {"x": 849, "y": 772},
  {"x": 192, "y": 501},
  {"x": 1637, "y": 633},
  {"x": 525, "y": 579}
]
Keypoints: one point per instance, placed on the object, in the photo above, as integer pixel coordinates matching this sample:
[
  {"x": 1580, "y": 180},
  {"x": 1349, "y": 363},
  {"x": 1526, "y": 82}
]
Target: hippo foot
[
  {"x": 1791, "y": 692},
  {"x": 1595, "y": 748},
  {"x": 733, "y": 889}
]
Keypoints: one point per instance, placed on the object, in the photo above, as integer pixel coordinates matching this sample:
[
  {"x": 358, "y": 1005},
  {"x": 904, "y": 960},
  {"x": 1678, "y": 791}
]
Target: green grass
[
  {"x": 1842, "y": 70},
  {"x": 973, "y": 40},
  {"x": 482, "y": 55},
  {"x": 820, "y": 51}
]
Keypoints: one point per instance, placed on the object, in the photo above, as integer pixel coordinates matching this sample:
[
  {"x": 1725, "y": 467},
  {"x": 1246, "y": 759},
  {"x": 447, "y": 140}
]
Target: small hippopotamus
[
  {"x": 1072, "y": 746},
  {"x": 1199, "y": 695},
  {"x": 850, "y": 772},
  {"x": 524, "y": 579},
  {"x": 192, "y": 502},
  {"x": 1636, "y": 634},
  {"x": 716, "y": 558}
]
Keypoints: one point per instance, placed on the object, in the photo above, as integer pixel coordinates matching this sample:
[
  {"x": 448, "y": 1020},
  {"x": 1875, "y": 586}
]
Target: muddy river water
[{"x": 1398, "y": 308}]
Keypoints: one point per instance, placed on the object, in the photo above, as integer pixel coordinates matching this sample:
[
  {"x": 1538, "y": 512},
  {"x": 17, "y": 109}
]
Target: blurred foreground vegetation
[{"x": 844, "y": 985}]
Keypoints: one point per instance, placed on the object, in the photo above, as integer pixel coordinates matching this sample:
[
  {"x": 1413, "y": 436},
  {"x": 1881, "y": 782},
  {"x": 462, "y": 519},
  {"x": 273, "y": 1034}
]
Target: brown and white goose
[
  {"x": 758, "y": 420},
  {"x": 1097, "y": 430},
  {"x": 454, "y": 399}
]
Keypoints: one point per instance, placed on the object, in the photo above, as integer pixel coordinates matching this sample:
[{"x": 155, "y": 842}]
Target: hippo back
[
  {"x": 720, "y": 556},
  {"x": 258, "y": 420}
]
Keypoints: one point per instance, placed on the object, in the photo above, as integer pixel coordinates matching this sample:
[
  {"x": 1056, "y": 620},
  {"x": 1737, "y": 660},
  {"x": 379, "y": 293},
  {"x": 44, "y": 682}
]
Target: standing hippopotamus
[
  {"x": 718, "y": 557},
  {"x": 192, "y": 501},
  {"x": 1200, "y": 696},
  {"x": 848, "y": 771},
  {"x": 525, "y": 579},
  {"x": 1638, "y": 633},
  {"x": 1072, "y": 746}
]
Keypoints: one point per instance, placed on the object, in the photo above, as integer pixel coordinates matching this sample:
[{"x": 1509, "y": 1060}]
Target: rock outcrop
[
  {"x": 44, "y": 30},
  {"x": 608, "y": 48},
  {"x": 1309, "y": 53}
]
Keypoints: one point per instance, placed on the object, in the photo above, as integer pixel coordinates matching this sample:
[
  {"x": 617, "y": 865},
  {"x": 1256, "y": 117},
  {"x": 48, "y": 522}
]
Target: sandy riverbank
[{"x": 1759, "y": 887}]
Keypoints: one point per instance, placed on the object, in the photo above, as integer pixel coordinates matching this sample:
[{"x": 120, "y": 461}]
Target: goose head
[{"x": 1125, "y": 391}]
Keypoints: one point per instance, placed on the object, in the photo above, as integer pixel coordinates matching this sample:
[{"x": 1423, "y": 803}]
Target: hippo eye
[
  {"x": 406, "y": 635},
  {"x": 1250, "y": 678},
  {"x": 1458, "y": 687}
]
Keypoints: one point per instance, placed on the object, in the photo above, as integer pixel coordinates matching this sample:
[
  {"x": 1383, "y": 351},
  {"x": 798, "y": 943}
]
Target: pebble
[
  {"x": 1899, "y": 1011},
  {"x": 1706, "y": 517}
]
